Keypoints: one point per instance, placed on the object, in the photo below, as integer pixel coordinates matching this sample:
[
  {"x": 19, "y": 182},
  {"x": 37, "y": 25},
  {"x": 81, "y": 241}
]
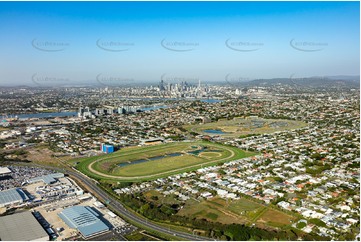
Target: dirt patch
[{"x": 44, "y": 156}]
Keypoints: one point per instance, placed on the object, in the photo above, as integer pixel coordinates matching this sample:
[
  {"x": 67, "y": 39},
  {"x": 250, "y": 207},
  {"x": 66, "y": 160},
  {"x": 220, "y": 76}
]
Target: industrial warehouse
[
  {"x": 12, "y": 197},
  {"x": 21, "y": 227},
  {"x": 56, "y": 208},
  {"x": 40, "y": 189},
  {"x": 85, "y": 220},
  {"x": 48, "y": 179}
]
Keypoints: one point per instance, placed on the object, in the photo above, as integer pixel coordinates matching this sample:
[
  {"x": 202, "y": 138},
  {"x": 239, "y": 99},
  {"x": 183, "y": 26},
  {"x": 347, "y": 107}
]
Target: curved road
[
  {"x": 129, "y": 215},
  {"x": 122, "y": 210}
]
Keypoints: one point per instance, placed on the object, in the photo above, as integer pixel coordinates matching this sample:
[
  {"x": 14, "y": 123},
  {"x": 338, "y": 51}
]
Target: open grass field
[
  {"x": 152, "y": 162},
  {"x": 244, "y": 207},
  {"x": 243, "y": 211},
  {"x": 245, "y": 126},
  {"x": 41, "y": 154},
  {"x": 209, "y": 211},
  {"x": 275, "y": 218}
]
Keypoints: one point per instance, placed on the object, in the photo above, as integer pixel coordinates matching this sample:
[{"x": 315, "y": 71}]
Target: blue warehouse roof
[
  {"x": 83, "y": 219},
  {"x": 11, "y": 196}
]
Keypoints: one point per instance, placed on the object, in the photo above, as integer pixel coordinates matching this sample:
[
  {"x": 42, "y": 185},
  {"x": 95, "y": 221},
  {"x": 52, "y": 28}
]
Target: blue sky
[{"x": 142, "y": 41}]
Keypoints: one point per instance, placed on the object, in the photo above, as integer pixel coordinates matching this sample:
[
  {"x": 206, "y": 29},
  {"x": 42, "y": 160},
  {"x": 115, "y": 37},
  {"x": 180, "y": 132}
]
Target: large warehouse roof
[
  {"x": 12, "y": 196},
  {"x": 48, "y": 179},
  {"x": 84, "y": 219},
  {"x": 21, "y": 227},
  {"x": 4, "y": 171}
]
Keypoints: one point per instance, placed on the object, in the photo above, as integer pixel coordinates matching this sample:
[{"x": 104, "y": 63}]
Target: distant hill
[
  {"x": 350, "y": 78},
  {"x": 328, "y": 81}
]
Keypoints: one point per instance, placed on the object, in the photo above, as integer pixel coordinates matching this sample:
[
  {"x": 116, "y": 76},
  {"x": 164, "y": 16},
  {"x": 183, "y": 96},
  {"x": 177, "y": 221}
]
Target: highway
[
  {"x": 122, "y": 211},
  {"x": 129, "y": 215}
]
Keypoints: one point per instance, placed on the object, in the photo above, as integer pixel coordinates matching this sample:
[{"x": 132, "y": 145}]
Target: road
[
  {"x": 122, "y": 211},
  {"x": 129, "y": 215}
]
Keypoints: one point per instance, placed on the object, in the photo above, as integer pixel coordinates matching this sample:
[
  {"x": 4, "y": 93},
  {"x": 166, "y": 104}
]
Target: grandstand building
[{"x": 153, "y": 141}]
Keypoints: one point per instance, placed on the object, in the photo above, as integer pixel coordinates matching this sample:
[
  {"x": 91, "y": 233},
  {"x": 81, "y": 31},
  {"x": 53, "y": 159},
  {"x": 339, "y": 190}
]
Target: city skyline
[{"x": 127, "y": 42}]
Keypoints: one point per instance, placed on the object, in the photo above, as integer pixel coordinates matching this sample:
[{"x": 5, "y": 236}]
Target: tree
[
  {"x": 155, "y": 198},
  {"x": 317, "y": 222},
  {"x": 144, "y": 208},
  {"x": 301, "y": 225}
]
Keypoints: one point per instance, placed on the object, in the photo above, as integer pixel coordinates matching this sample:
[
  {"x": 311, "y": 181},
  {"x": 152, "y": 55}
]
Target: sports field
[
  {"x": 152, "y": 162},
  {"x": 244, "y": 126}
]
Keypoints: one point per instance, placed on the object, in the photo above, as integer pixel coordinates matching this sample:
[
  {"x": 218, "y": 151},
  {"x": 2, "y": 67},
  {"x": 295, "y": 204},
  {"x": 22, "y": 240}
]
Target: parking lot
[{"x": 126, "y": 229}]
